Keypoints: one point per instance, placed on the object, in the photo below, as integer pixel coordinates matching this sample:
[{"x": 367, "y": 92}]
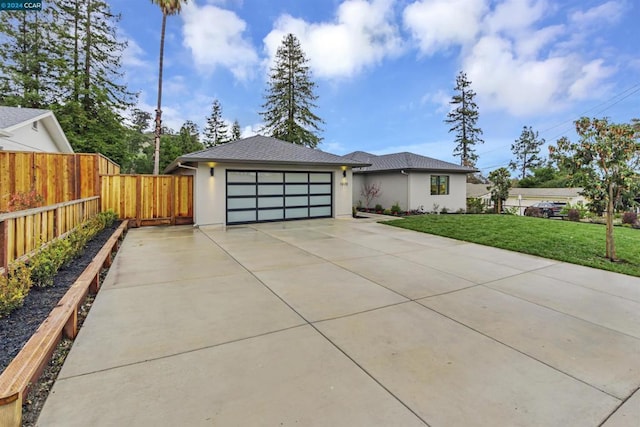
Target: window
[{"x": 439, "y": 184}]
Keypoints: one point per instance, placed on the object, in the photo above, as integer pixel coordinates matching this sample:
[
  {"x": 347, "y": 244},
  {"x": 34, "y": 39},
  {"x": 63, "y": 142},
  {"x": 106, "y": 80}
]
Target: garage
[
  {"x": 263, "y": 179},
  {"x": 261, "y": 196}
]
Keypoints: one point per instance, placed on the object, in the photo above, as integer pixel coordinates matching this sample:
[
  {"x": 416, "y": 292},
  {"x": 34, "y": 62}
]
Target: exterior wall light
[
  {"x": 211, "y": 171},
  {"x": 343, "y": 181}
]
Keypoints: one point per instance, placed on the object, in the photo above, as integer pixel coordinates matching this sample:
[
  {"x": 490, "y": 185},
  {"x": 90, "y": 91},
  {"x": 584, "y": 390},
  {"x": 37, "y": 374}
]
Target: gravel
[{"x": 17, "y": 328}]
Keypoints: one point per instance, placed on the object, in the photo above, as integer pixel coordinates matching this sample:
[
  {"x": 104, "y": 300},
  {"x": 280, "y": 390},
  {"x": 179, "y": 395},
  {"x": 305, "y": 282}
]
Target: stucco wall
[
  {"x": 413, "y": 190},
  {"x": 393, "y": 189},
  {"x": 210, "y": 192},
  {"x": 28, "y": 139}
]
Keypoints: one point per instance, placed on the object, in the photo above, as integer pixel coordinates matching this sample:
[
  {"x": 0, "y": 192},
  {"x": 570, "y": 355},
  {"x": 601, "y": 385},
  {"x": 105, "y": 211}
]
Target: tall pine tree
[
  {"x": 215, "y": 133},
  {"x": 27, "y": 76},
  {"x": 290, "y": 97},
  {"x": 526, "y": 151},
  {"x": 464, "y": 120}
]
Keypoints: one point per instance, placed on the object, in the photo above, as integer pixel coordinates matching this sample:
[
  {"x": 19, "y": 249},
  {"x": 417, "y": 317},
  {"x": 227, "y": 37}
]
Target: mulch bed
[{"x": 17, "y": 328}]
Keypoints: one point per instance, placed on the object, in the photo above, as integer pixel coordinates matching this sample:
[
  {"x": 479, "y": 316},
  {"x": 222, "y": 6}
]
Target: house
[
  {"x": 411, "y": 180},
  {"x": 522, "y": 197},
  {"x": 260, "y": 179},
  {"x": 31, "y": 129}
]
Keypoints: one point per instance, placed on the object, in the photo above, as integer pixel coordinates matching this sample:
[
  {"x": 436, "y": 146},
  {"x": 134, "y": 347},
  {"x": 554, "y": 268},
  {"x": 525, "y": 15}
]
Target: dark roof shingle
[
  {"x": 11, "y": 116},
  {"x": 404, "y": 161},
  {"x": 266, "y": 150}
]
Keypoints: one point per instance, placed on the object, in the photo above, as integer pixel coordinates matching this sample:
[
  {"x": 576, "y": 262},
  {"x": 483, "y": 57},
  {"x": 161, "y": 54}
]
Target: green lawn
[{"x": 577, "y": 243}]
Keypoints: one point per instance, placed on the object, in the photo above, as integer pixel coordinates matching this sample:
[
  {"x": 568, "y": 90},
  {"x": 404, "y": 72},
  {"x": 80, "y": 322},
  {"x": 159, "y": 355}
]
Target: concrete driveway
[{"x": 348, "y": 323}]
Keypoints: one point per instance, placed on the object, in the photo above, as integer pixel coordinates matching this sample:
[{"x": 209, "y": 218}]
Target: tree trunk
[
  {"x": 611, "y": 248},
  {"x": 158, "y": 130}
]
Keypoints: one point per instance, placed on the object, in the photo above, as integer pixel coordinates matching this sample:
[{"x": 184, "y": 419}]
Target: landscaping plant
[{"x": 14, "y": 287}]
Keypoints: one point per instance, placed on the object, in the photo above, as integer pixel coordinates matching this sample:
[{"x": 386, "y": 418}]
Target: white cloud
[
  {"x": 362, "y": 35},
  {"x": 515, "y": 61},
  {"x": 215, "y": 37},
  {"x": 589, "y": 80},
  {"x": 133, "y": 55},
  {"x": 440, "y": 24},
  {"x": 514, "y": 16},
  {"x": 519, "y": 85},
  {"x": 608, "y": 13},
  {"x": 440, "y": 98}
]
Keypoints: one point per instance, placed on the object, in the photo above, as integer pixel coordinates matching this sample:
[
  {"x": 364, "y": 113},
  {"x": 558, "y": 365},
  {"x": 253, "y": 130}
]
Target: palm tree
[{"x": 168, "y": 7}]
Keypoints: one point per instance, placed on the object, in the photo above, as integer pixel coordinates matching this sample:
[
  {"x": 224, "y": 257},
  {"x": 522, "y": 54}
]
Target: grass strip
[{"x": 572, "y": 242}]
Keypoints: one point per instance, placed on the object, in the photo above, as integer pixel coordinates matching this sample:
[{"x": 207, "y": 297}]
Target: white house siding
[
  {"x": 514, "y": 202},
  {"x": 210, "y": 200},
  {"x": 25, "y": 138},
  {"x": 420, "y": 192},
  {"x": 393, "y": 186}
]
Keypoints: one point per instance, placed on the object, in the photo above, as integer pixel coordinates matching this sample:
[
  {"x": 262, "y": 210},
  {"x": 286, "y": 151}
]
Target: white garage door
[{"x": 260, "y": 196}]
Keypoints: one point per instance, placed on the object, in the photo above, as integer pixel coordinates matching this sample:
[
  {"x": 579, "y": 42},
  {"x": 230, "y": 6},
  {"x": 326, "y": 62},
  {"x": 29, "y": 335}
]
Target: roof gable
[{"x": 14, "y": 118}]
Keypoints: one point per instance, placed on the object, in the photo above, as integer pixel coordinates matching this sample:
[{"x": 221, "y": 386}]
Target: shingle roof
[
  {"x": 546, "y": 193},
  {"x": 404, "y": 161},
  {"x": 477, "y": 190},
  {"x": 11, "y": 116},
  {"x": 265, "y": 150}
]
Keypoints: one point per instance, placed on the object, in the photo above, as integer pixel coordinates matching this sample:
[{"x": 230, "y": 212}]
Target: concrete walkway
[{"x": 348, "y": 323}]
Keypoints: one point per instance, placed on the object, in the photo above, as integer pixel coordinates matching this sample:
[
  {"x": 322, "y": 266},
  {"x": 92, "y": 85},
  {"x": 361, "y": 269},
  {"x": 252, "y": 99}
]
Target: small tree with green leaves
[
  {"x": 500, "y": 185},
  {"x": 464, "y": 118},
  {"x": 290, "y": 97},
  {"x": 603, "y": 163},
  {"x": 526, "y": 151}
]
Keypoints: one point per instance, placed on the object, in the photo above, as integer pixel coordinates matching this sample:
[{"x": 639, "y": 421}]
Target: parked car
[{"x": 544, "y": 209}]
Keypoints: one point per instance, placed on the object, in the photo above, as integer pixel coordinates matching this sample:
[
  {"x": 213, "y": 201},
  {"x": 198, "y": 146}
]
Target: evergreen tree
[
  {"x": 464, "y": 118},
  {"x": 236, "y": 132},
  {"x": 67, "y": 58},
  {"x": 290, "y": 97},
  {"x": 26, "y": 66},
  {"x": 215, "y": 133},
  {"x": 526, "y": 150}
]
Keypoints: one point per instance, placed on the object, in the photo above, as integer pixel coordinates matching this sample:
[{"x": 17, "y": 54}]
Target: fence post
[{"x": 4, "y": 241}]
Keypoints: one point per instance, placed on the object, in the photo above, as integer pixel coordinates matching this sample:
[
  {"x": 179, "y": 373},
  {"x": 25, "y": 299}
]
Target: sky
[{"x": 385, "y": 70}]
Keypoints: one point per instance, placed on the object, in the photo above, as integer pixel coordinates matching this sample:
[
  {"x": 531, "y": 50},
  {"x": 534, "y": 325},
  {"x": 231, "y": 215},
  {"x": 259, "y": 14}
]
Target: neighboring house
[
  {"x": 31, "y": 129},
  {"x": 411, "y": 180},
  {"x": 523, "y": 197},
  {"x": 479, "y": 191},
  {"x": 260, "y": 179}
]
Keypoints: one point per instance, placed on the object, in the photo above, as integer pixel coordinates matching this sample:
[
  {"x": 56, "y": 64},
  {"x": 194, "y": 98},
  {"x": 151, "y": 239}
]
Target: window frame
[{"x": 437, "y": 182}]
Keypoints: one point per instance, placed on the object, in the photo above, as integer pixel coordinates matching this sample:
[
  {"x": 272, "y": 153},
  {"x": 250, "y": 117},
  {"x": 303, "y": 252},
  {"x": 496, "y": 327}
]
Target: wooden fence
[
  {"x": 149, "y": 199},
  {"x": 57, "y": 178},
  {"x": 25, "y": 231}
]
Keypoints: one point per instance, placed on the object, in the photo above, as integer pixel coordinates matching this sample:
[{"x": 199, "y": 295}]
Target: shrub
[
  {"x": 629, "y": 218},
  {"x": 395, "y": 208},
  {"x": 14, "y": 287},
  {"x": 388, "y": 212},
  {"x": 45, "y": 264},
  {"x": 444, "y": 210},
  {"x": 573, "y": 215},
  {"x": 533, "y": 211},
  {"x": 24, "y": 200},
  {"x": 378, "y": 208},
  {"x": 475, "y": 205}
]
